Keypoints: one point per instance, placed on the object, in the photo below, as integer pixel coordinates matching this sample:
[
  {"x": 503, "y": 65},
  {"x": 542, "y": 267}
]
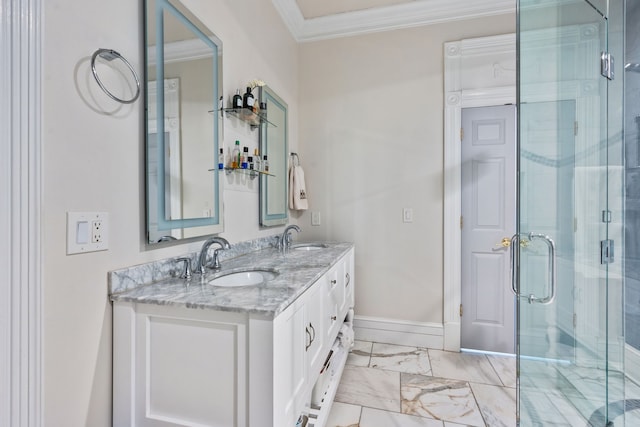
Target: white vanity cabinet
[{"x": 178, "y": 366}]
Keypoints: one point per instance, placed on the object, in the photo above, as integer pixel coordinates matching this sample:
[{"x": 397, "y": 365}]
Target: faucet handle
[
  {"x": 186, "y": 270},
  {"x": 216, "y": 261}
]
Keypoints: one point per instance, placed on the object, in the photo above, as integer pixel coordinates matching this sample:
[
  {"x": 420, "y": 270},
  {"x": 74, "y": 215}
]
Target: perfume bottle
[
  {"x": 248, "y": 100},
  {"x": 244, "y": 158},
  {"x": 237, "y": 100},
  {"x": 235, "y": 156}
]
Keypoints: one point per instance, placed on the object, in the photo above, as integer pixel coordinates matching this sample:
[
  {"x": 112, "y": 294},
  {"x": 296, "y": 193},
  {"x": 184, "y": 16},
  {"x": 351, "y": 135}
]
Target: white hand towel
[
  {"x": 346, "y": 336},
  {"x": 297, "y": 189}
]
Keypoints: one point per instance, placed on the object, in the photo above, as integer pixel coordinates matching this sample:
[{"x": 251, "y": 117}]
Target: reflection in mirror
[
  {"x": 274, "y": 143},
  {"x": 184, "y": 82}
]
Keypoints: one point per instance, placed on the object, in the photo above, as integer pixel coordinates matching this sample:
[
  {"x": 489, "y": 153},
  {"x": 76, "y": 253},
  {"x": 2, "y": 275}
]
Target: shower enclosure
[{"x": 568, "y": 252}]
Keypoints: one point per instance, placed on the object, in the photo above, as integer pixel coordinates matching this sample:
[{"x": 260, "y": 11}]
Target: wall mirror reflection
[
  {"x": 274, "y": 143},
  {"x": 183, "y": 123}
]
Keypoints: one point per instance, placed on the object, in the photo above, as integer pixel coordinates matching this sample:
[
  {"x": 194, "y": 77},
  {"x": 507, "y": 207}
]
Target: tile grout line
[{"x": 496, "y": 371}]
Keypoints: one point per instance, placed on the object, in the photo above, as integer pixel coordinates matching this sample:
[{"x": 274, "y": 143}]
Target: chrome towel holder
[{"x": 110, "y": 55}]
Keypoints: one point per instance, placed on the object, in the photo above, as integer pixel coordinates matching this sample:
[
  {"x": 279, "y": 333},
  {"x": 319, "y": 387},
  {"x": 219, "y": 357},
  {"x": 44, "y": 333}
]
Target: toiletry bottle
[
  {"x": 257, "y": 160},
  {"x": 237, "y": 100},
  {"x": 235, "y": 156},
  {"x": 221, "y": 159},
  {"x": 244, "y": 158},
  {"x": 248, "y": 99},
  {"x": 265, "y": 163},
  {"x": 251, "y": 164}
]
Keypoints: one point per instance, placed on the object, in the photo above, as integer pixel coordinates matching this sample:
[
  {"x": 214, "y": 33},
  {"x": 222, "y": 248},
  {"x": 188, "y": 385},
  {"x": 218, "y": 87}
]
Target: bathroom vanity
[{"x": 188, "y": 352}]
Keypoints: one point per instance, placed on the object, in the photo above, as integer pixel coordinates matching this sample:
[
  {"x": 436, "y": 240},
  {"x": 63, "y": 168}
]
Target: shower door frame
[{"x": 604, "y": 172}]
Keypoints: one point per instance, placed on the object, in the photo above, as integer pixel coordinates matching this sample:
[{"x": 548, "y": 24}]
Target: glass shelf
[
  {"x": 247, "y": 115},
  {"x": 251, "y": 172}
]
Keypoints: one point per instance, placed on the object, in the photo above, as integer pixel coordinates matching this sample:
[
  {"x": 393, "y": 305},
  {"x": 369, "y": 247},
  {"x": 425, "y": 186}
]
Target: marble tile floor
[{"x": 396, "y": 386}]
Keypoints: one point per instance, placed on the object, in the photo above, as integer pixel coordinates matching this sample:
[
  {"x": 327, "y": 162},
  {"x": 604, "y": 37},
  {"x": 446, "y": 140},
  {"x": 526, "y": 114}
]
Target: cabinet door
[
  {"x": 348, "y": 281},
  {"x": 186, "y": 368},
  {"x": 334, "y": 302},
  {"x": 290, "y": 370},
  {"x": 314, "y": 327}
]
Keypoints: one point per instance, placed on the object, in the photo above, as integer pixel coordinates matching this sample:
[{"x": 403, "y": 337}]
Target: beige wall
[
  {"x": 371, "y": 122},
  {"x": 92, "y": 161}
]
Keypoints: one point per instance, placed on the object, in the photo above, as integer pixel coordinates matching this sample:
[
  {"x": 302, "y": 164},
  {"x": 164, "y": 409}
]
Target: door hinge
[
  {"x": 575, "y": 320},
  {"x": 460, "y": 310},
  {"x": 461, "y": 134},
  {"x": 575, "y": 225},
  {"x": 606, "y": 216},
  {"x": 575, "y": 128},
  {"x": 606, "y": 251},
  {"x": 461, "y": 222},
  {"x": 607, "y": 65}
]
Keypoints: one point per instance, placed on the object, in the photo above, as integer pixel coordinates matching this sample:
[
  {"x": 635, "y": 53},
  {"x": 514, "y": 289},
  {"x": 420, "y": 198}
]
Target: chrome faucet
[
  {"x": 202, "y": 259},
  {"x": 285, "y": 239}
]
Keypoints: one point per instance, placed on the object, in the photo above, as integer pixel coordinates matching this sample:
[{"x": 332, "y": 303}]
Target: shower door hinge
[
  {"x": 460, "y": 310},
  {"x": 606, "y": 251},
  {"x": 606, "y": 216},
  {"x": 575, "y": 320},
  {"x": 461, "y": 222},
  {"x": 607, "y": 65},
  {"x": 461, "y": 134}
]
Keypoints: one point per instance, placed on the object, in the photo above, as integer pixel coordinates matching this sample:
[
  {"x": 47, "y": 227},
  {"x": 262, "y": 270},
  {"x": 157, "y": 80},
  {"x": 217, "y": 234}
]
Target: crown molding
[{"x": 407, "y": 15}]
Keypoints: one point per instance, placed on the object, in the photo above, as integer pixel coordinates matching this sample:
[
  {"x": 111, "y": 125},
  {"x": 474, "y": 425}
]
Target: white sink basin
[
  {"x": 309, "y": 246},
  {"x": 244, "y": 278}
]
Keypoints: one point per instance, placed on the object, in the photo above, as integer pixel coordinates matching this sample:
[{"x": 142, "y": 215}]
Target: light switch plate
[
  {"x": 87, "y": 232},
  {"x": 315, "y": 218},
  {"x": 407, "y": 215}
]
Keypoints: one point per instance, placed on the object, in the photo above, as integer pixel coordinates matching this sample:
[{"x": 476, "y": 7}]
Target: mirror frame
[
  {"x": 266, "y": 182},
  {"x": 156, "y": 56}
]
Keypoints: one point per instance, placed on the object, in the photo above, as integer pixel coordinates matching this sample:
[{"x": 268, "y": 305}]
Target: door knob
[{"x": 505, "y": 242}]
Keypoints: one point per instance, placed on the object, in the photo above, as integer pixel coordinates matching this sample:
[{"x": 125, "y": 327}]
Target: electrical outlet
[
  {"x": 87, "y": 232},
  {"x": 96, "y": 231}
]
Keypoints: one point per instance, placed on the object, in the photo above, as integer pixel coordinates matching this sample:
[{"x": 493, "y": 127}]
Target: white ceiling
[{"x": 310, "y": 20}]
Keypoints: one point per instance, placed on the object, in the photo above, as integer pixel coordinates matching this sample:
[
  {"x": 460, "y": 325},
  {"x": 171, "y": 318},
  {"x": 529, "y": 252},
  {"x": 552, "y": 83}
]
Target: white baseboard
[{"x": 389, "y": 331}]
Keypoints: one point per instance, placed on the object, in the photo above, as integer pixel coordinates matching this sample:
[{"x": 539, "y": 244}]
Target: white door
[{"x": 488, "y": 222}]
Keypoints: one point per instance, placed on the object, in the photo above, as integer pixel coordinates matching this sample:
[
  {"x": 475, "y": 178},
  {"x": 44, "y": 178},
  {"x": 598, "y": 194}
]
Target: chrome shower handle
[
  {"x": 516, "y": 242},
  {"x": 512, "y": 245},
  {"x": 552, "y": 270}
]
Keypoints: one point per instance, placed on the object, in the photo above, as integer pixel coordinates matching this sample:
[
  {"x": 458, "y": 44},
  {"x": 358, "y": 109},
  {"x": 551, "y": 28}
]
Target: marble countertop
[{"x": 297, "y": 271}]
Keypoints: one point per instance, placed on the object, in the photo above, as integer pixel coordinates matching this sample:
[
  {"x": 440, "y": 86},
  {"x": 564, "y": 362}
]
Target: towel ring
[{"x": 110, "y": 55}]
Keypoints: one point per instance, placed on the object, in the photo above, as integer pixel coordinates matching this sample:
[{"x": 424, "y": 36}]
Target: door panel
[{"x": 488, "y": 209}]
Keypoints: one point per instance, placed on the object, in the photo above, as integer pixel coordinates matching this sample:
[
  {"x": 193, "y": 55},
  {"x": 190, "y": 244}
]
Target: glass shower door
[{"x": 568, "y": 339}]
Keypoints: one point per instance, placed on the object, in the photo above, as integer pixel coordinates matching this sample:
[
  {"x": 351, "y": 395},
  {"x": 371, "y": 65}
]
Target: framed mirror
[
  {"x": 274, "y": 144},
  {"x": 183, "y": 123}
]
